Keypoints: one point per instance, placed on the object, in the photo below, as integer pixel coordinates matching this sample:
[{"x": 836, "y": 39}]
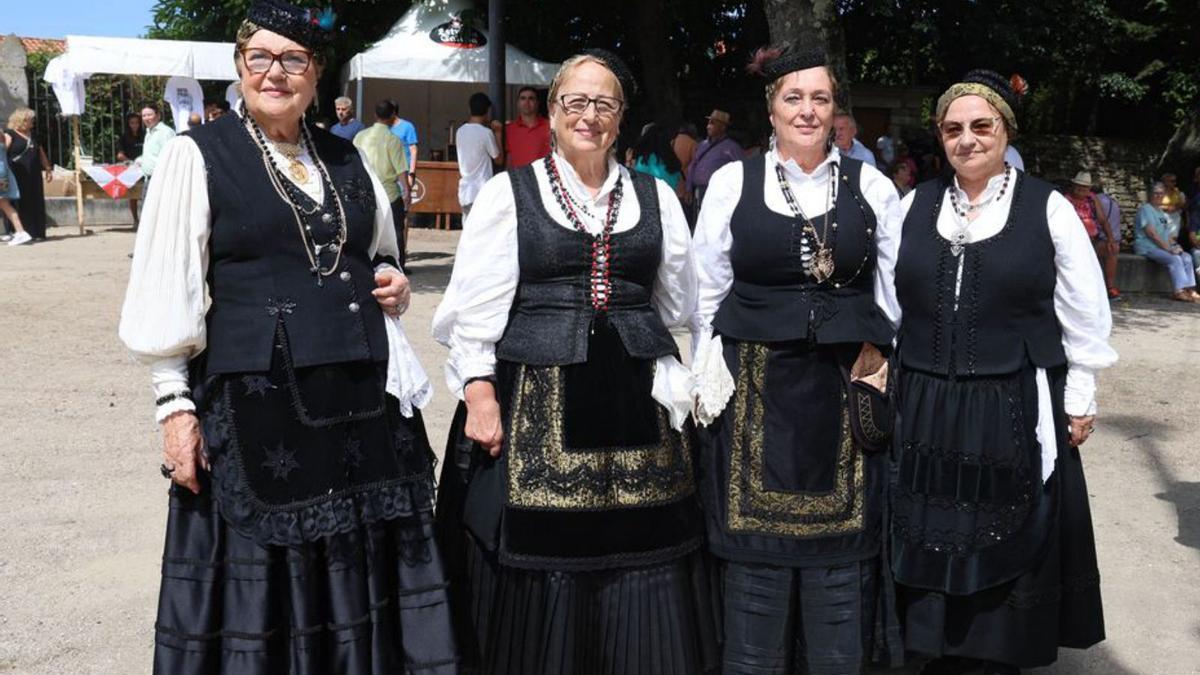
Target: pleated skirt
[
  {"x": 655, "y": 619},
  {"x": 372, "y": 600}
]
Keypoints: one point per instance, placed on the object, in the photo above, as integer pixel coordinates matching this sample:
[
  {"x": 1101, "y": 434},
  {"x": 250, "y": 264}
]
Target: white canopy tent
[
  {"x": 87, "y": 55},
  {"x": 430, "y": 62}
]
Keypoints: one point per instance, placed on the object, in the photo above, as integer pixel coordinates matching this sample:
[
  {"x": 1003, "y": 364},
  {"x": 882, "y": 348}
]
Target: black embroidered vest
[
  {"x": 552, "y": 312},
  {"x": 1004, "y": 316},
  {"x": 259, "y": 273},
  {"x": 772, "y": 298}
]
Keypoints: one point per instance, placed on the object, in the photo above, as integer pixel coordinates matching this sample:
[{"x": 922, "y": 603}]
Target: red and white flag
[{"x": 115, "y": 179}]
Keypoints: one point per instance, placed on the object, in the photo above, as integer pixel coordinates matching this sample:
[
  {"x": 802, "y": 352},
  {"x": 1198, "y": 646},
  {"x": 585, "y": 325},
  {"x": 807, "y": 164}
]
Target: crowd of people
[{"x": 871, "y": 456}]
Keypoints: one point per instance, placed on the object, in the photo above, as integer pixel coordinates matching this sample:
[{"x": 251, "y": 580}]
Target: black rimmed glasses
[
  {"x": 984, "y": 127},
  {"x": 293, "y": 61},
  {"x": 577, "y": 104}
]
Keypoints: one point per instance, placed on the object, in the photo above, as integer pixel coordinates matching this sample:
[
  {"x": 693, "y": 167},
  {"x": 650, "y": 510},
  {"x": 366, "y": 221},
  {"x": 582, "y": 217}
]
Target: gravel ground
[{"x": 84, "y": 508}]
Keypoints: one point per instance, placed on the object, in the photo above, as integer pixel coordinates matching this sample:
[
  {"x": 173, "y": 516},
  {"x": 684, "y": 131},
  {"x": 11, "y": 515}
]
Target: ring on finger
[{"x": 165, "y": 470}]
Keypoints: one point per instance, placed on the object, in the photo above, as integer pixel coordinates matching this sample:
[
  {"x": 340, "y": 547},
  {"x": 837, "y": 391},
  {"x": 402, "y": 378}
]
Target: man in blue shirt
[
  {"x": 347, "y": 127},
  {"x": 407, "y": 133},
  {"x": 845, "y": 130}
]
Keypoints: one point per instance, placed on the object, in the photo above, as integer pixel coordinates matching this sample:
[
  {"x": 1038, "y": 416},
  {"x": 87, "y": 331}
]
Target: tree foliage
[
  {"x": 1112, "y": 67},
  {"x": 362, "y": 22}
]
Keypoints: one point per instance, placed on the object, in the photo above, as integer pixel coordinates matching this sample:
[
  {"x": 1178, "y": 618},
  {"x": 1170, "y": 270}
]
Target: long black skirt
[
  {"x": 1050, "y": 600},
  {"x": 536, "y": 593},
  {"x": 794, "y": 509},
  {"x": 372, "y": 600},
  {"x": 310, "y": 549}
]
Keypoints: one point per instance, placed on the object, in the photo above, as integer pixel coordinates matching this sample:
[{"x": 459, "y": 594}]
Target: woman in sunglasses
[
  {"x": 567, "y": 502},
  {"x": 1003, "y": 324},
  {"x": 264, "y": 295}
]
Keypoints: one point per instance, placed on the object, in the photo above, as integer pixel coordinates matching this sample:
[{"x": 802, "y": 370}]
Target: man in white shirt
[
  {"x": 844, "y": 131},
  {"x": 887, "y": 149},
  {"x": 478, "y": 145},
  {"x": 1014, "y": 158}
]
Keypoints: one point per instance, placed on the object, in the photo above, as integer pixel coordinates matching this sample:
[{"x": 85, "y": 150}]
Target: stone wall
[
  {"x": 14, "y": 87},
  {"x": 905, "y": 105},
  {"x": 1124, "y": 167}
]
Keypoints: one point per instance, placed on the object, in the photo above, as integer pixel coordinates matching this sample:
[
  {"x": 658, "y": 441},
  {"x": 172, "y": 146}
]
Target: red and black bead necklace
[{"x": 601, "y": 251}]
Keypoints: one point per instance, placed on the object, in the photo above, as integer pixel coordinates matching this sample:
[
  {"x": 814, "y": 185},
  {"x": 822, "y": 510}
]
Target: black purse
[{"x": 871, "y": 403}]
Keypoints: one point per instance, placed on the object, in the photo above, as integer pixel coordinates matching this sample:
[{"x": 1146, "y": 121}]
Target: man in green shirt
[
  {"x": 157, "y": 135},
  {"x": 386, "y": 157}
]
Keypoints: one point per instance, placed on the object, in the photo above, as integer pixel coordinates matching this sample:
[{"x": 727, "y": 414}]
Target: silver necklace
[{"x": 960, "y": 235}]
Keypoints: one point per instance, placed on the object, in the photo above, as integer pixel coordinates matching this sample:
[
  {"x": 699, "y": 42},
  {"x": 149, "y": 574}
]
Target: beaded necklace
[
  {"x": 600, "y": 277},
  {"x": 294, "y": 197},
  {"x": 818, "y": 263},
  {"x": 958, "y": 238}
]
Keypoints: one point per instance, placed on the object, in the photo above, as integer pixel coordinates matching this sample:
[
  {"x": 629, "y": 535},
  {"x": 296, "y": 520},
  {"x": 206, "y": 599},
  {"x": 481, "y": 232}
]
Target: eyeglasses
[
  {"x": 293, "y": 61},
  {"x": 984, "y": 127},
  {"x": 577, "y": 104}
]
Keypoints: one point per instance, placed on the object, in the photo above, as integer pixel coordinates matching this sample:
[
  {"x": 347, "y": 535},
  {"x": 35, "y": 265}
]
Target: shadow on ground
[
  {"x": 1098, "y": 659},
  {"x": 1143, "y": 434},
  {"x": 1149, "y": 311},
  {"x": 424, "y": 277}
]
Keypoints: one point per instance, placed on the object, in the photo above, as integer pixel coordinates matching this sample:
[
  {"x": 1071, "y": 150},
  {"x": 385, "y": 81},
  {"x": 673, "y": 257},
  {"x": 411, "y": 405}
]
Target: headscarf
[{"x": 991, "y": 87}]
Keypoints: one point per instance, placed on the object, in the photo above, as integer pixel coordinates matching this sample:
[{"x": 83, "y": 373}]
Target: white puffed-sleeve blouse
[{"x": 162, "y": 319}]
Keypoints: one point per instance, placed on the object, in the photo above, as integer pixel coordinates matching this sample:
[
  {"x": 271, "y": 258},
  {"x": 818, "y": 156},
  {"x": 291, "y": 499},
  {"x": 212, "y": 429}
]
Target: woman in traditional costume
[
  {"x": 264, "y": 295},
  {"x": 791, "y": 248},
  {"x": 1003, "y": 323},
  {"x": 567, "y": 504}
]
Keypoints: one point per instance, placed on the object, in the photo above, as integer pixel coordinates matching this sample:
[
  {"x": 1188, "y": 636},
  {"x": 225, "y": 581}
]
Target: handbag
[
  {"x": 871, "y": 401},
  {"x": 28, "y": 146}
]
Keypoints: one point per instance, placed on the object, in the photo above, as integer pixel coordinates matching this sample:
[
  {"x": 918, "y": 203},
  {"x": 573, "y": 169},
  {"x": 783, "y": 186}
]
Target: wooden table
[{"x": 436, "y": 191}]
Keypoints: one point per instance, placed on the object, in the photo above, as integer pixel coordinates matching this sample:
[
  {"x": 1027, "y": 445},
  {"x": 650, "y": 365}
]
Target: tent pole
[
  {"x": 358, "y": 96},
  {"x": 77, "y": 151},
  {"x": 497, "y": 59}
]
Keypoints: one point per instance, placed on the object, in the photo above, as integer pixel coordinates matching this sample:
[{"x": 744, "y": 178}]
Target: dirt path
[{"x": 83, "y": 506}]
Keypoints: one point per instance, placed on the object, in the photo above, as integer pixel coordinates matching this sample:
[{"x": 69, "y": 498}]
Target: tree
[
  {"x": 362, "y": 22},
  {"x": 811, "y": 23},
  {"x": 660, "y": 80}
]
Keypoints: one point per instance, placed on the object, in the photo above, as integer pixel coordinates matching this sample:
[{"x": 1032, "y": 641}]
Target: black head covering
[
  {"x": 304, "y": 26},
  {"x": 793, "y": 59},
  {"x": 996, "y": 82},
  {"x": 618, "y": 68},
  {"x": 990, "y": 85}
]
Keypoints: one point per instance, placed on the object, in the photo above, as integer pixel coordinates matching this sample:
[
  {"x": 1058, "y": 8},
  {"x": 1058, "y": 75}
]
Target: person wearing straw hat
[
  {"x": 1003, "y": 324},
  {"x": 713, "y": 153},
  {"x": 1102, "y": 232},
  {"x": 264, "y": 298}
]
